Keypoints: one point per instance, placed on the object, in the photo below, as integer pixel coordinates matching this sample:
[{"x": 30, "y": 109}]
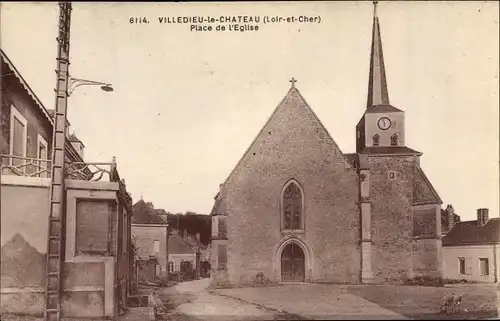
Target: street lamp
[{"x": 77, "y": 82}]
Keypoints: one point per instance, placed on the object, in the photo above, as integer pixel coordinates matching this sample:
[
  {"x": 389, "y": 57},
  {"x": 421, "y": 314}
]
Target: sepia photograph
[{"x": 266, "y": 160}]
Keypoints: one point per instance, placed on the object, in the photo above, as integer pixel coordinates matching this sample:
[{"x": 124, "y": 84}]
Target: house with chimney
[{"x": 471, "y": 250}]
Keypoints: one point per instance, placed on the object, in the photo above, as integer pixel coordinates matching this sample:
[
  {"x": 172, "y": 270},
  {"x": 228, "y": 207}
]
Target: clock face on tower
[{"x": 384, "y": 123}]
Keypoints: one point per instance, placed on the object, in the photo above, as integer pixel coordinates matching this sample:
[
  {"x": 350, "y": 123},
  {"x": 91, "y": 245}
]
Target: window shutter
[
  {"x": 468, "y": 265},
  {"x": 92, "y": 226},
  {"x": 222, "y": 227},
  {"x": 222, "y": 256}
]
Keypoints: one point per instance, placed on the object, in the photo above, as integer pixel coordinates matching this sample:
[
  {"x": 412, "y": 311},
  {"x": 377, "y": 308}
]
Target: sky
[{"x": 187, "y": 104}]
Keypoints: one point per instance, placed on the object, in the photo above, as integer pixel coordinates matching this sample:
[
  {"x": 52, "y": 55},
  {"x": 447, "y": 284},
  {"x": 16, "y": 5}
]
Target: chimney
[
  {"x": 450, "y": 213},
  {"x": 184, "y": 233},
  {"x": 482, "y": 216},
  {"x": 198, "y": 236}
]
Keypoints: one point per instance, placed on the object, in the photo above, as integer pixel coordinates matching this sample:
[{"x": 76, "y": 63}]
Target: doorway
[{"x": 292, "y": 264}]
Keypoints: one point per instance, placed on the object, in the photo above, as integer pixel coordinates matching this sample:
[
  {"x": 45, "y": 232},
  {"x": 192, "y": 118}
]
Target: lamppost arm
[{"x": 77, "y": 82}]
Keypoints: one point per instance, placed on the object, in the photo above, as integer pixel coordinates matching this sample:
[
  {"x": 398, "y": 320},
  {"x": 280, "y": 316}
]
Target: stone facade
[
  {"x": 144, "y": 236},
  {"x": 368, "y": 217},
  {"x": 292, "y": 145}
]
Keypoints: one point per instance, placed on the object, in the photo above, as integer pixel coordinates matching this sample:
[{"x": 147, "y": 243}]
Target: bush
[{"x": 260, "y": 278}]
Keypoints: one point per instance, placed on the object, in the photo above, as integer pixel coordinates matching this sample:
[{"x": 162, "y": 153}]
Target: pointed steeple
[{"x": 377, "y": 83}]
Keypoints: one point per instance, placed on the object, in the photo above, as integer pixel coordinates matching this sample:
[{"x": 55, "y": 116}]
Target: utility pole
[{"x": 56, "y": 233}]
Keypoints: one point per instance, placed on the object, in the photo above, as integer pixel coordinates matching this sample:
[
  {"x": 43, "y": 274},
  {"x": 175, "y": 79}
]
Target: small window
[
  {"x": 394, "y": 140},
  {"x": 461, "y": 265},
  {"x": 376, "y": 140},
  {"x": 170, "y": 266},
  {"x": 222, "y": 256},
  {"x": 358, "y": 134},
  {"x": 42, "y": 155},
  {"x": 484, "y": 267},
  {"x": 156, "y": 247},
  {"x": 18, "y": 137},
  {"x": 392, "y": 175}
]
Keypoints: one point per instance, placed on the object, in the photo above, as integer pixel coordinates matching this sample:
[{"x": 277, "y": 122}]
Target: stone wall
[
  {"x": 391, "y": 217},
  {"x": 293, "y": 145}
]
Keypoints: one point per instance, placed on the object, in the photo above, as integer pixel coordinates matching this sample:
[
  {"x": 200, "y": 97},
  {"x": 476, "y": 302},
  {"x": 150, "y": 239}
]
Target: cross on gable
[{"x": 293, "y": 81}]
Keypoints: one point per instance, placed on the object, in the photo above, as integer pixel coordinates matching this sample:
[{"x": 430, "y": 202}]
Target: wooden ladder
[{"x": 56, "y": 233}]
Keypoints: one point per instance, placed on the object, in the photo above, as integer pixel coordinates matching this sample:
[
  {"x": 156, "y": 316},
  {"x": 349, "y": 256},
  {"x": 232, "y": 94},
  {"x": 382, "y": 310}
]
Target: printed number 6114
[{"x": 139, "y": 20}]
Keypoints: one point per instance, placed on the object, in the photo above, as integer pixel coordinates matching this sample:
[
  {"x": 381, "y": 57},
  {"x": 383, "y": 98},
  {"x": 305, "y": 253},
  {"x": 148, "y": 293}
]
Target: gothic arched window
[
  {"x": 376, "y": 139},
  {"x": 292, "y": 207},
  {"x": 394, "y": 140}
]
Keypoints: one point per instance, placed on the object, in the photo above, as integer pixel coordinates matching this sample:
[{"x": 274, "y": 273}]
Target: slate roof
[
  {"x": 217, "y": 205},
  {"x": 469, "y": 233},
  {"x": 391, "y": 150},
  {"x": 352, "y": 158},
  {"x": 383, "y": 108},
  {"x": 176, "y": 245},
  {"x": 73, "y": 138},
  {"x": 144, "y": 213},
  {"x": 151, "y": 219},
  {"x": 424, "y": 192}
]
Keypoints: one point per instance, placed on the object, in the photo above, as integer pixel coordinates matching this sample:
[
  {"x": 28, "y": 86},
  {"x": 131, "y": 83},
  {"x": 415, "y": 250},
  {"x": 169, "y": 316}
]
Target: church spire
[{"x": 377, "y": 83}]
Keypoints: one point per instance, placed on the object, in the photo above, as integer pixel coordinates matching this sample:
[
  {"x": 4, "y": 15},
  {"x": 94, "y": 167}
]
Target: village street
[{"x": 194, "y": 300}]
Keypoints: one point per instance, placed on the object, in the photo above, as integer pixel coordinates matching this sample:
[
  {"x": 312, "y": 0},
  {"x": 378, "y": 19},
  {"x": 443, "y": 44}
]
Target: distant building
[
  {"x": 471, "y": 249},
  {"x": 181, "y": 254},
  {"x": 150, "y": 234}
]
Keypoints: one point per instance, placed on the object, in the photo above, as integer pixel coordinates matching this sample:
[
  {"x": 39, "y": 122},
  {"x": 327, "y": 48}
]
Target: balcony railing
[
  {"x": 33, "y": 167},
  {"x": 90, "y": 171},
  {"x": 24, "y": 166}
]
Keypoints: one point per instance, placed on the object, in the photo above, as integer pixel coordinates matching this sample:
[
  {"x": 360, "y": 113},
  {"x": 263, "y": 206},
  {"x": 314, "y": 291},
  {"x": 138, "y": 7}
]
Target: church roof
[
  {"x": 469, "y": 233},
  {"x": 292, "y": 95},
  {"x": 390, "y": 150},
  {"x": 352, "y": 158},
  {"x": 423, "y": 191},
  {"x": 216, "y": 209},
  {"x": 377, "y": 80},
  {"x": 382, "y": 109}
]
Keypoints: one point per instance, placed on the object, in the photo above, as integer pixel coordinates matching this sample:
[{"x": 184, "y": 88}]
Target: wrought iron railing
[
  {"x": 87, "y": 171},
  {"x": 24, "y": 166},
  {"x": 90, "y": 171}
]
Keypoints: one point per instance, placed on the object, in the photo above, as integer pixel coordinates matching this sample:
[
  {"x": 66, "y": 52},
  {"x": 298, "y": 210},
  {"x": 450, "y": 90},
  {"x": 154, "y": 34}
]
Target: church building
[{"x": 296, "y": 208}]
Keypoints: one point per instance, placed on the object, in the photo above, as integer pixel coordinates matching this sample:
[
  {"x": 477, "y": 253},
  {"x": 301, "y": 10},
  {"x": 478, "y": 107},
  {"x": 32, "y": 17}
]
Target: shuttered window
[
  {"x": 222, "y": 227},
  {"x": 222, "y": 256},
  {"x": 484, "y": 267},
  {"x": 93, "y": 227},
  {"x": 461, "y": 265}
]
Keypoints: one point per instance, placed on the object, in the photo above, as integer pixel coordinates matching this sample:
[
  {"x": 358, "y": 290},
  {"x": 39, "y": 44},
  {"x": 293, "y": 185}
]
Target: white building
[{"x": 471, "y": 250}]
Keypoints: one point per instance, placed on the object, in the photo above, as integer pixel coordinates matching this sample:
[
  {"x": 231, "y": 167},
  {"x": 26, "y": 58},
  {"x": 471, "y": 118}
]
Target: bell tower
[{"x": 382, "y": 124}]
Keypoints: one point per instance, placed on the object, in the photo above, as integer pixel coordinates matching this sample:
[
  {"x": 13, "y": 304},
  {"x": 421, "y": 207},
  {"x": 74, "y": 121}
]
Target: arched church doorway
[{"x": 292, "y": 263}]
